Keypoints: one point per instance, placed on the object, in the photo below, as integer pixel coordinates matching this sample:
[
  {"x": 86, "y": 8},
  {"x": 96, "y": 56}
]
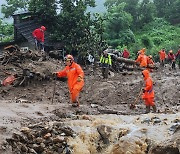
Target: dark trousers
[
  {"x": 105, "y": 71},
  {"x": 162, "y": 62},
  {"x": 38, "y": 45},
  {"x": 173, "y": 65},
  {"x": 178, "y": 60}
]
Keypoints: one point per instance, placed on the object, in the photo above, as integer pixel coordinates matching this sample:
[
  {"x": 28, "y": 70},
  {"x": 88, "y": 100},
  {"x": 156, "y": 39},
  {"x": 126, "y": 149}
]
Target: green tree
[
  {"x": 146, "y": 13},
  {"x": 14, "y": 5},
  {"x": 117, "y": 26},
  {"x": 169, "y": 10},
  {"x": 46, "y": 10},
  {"x": 6, "y": 31},
  {"x": 76, "y": 29}
]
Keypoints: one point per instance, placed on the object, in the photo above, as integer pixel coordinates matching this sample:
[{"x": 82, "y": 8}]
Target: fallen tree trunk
[
  {"x": 125, "y": 60},
  {"x": 132, "y": 62}
]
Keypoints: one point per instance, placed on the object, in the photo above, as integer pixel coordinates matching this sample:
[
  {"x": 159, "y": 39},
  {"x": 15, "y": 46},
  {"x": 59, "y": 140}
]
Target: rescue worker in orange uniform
[
  {"x": 142, "y": 58},
  {"x": 75, "y": 76},
  {"x": 150, "y": 63},
  {"x": 148, "y": 92},
  {"x": 162, "y": 57}
]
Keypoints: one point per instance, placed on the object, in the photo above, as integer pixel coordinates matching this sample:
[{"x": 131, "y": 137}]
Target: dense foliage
[{"x": 126, "y": 23}]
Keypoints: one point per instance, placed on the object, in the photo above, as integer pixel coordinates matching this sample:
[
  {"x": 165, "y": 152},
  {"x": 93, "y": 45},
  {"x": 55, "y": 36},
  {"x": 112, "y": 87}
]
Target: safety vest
[{"x": 106, "y": 60}]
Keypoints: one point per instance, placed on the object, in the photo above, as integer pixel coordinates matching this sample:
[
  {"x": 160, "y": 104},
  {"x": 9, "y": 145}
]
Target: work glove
[{"x": 79, "y": 79}]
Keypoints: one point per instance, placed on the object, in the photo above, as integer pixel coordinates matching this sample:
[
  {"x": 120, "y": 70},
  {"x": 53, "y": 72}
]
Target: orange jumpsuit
[
  {"x": 148, "y": 95},
  {"x": 150, "y": 63},
  {"x": 162, "y": 55},
  {"x": 142, "y": 59},
  {"x": 72, "y": 73}
]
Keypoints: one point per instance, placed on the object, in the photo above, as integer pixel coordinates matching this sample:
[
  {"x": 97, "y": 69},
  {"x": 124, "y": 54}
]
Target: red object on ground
[{"x": 9, "y": 80}]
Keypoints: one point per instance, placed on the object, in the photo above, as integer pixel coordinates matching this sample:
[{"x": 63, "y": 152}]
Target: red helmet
[
  {"x": 43, "y": 28},
  {"x": 69, "y": 57}
]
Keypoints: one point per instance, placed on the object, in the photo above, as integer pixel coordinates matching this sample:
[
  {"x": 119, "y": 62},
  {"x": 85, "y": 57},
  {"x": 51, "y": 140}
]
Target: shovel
[{"x": 133, "y": 105}]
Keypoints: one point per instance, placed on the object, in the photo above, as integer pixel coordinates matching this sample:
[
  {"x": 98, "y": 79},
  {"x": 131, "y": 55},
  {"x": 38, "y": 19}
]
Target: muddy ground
[{"x": 26, "y": 105}]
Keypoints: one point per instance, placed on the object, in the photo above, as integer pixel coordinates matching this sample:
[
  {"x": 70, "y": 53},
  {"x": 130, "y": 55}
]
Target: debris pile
[
  {"x": 13, "y": 54},
  {"x": 40, "y": 138},
  {"x": 21, "y": 68}
]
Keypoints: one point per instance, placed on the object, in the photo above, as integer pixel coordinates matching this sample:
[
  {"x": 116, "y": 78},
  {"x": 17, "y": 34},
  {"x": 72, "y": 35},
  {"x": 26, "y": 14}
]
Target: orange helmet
[
  {"x": 43, "y": 28},
  {"x": 69, "y": 57}
]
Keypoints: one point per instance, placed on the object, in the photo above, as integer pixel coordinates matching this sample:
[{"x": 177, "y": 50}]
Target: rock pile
[{"x": 43, "y": 139}]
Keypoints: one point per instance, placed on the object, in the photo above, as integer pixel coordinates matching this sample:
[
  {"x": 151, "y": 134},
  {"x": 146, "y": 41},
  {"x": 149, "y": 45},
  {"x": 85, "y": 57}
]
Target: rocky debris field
[{"x": 36, "y": 115}]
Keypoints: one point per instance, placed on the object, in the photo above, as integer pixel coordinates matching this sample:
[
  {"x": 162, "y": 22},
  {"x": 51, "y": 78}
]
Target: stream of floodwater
[{"x": 115, "y": 134}]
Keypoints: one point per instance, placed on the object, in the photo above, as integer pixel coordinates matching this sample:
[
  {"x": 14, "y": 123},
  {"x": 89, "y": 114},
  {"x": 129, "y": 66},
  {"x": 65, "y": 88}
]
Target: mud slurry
[{"x": 104, "y": 123}]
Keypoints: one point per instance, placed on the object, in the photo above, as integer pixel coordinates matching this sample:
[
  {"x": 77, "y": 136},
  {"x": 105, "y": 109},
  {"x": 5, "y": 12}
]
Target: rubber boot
[
  {"x": 147, "y": 109},
  {"x": 154, "y": 108},
  {"x": 75, "y": 104}
]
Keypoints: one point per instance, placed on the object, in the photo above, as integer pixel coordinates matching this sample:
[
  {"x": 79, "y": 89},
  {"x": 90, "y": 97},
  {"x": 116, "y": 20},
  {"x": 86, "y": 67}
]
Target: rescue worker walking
[
  {"x": 106, "y": 62},
  {"x": 162, "y": 57},
  {"x": 38, "y": 35},
  {"x": 172, "y": 59},
  {"x": 148, "y": 92},
  {"x": 178, "y": 56},
  {"x": 142, "y": 58},
  {"x": 75, "y": 76}
]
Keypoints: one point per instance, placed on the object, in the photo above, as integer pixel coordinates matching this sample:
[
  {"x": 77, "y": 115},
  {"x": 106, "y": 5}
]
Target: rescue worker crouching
[
  {"x": 148, "y": 92},
  {"x": 105, "y": 62},
  {"x": 75, "y": 76}
]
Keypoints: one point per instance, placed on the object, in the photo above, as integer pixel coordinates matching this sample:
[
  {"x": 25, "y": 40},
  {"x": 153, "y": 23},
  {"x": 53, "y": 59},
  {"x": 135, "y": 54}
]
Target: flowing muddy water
[{"x": 117, "y": 134}]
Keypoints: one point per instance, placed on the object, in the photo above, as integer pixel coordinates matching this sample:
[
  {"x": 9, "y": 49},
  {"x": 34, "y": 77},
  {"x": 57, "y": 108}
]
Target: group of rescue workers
[{"x": 75, "y": 74}]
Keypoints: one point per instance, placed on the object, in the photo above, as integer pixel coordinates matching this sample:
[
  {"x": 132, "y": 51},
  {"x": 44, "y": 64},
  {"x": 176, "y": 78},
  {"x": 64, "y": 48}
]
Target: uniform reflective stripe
[
  {"x": 106, "y": 60},
  {"x": 149, "y": 91}
]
